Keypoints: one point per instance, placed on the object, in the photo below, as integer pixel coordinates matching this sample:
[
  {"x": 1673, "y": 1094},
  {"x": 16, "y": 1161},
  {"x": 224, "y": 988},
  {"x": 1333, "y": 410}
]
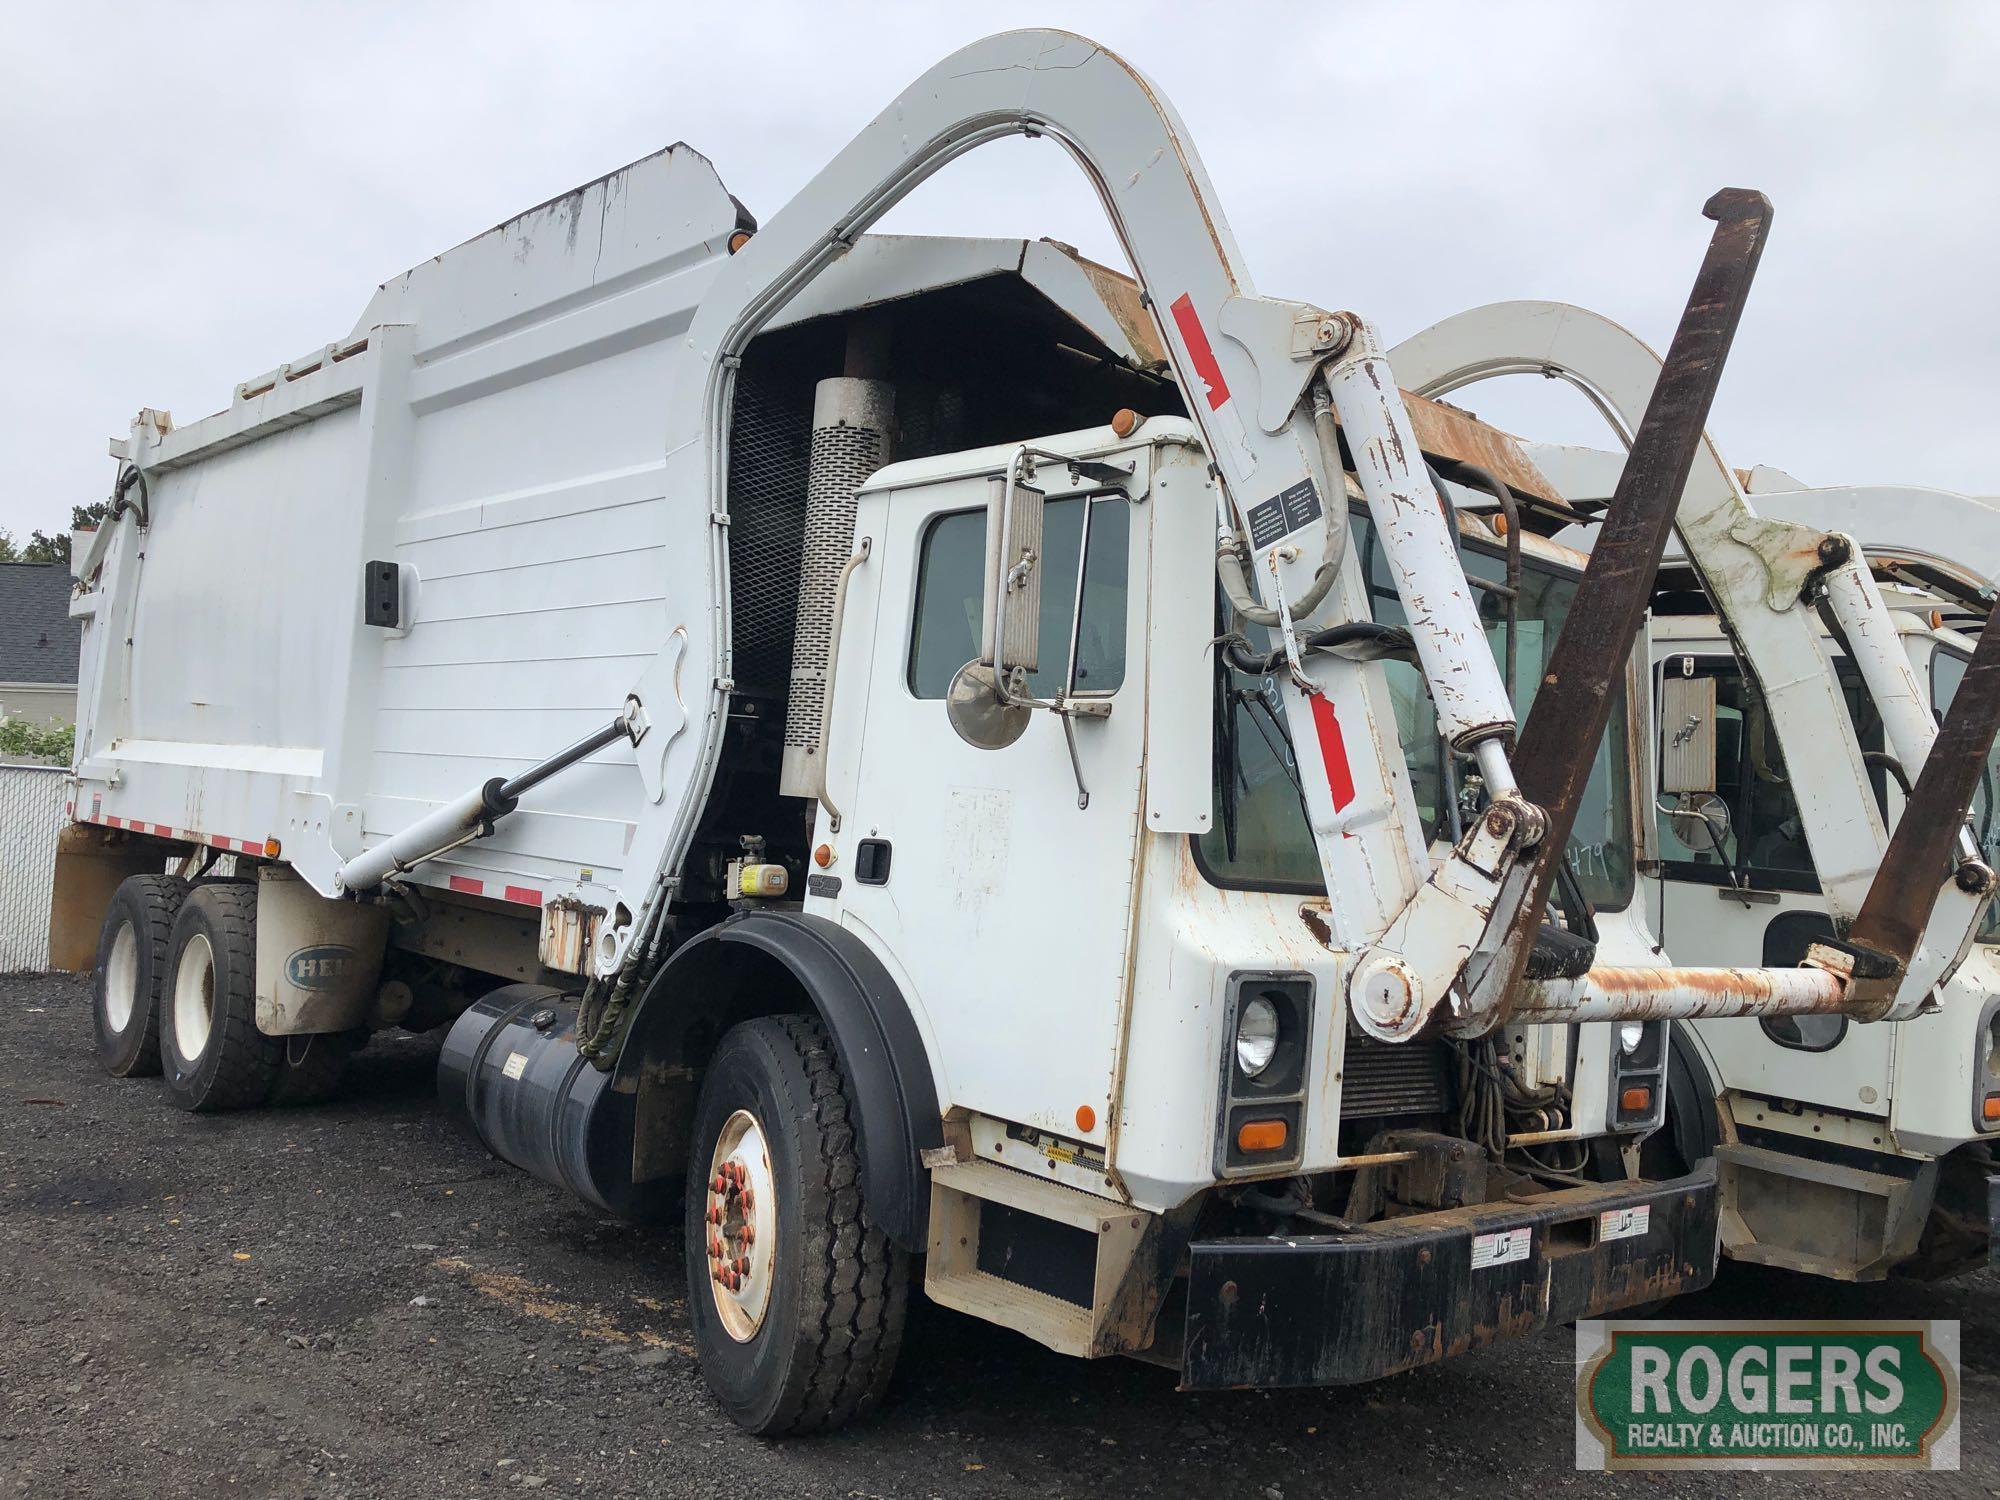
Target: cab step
[{"x": 1061, "y": 1266}]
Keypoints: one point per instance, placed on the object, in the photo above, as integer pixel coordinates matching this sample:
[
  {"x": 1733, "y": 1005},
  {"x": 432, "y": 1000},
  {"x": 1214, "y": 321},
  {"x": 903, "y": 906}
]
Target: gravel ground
[{"x": 354, "y": 1300}]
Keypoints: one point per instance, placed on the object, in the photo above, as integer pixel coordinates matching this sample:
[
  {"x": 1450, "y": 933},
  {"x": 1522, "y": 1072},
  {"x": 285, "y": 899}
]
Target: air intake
[{"x": 852, "y": 420}]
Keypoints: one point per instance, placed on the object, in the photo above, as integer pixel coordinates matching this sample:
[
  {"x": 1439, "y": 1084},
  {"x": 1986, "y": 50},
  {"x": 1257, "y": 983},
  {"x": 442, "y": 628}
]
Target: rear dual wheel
[
  {"x": 214, "y": 1056},
  {"x": 132, "y": 964}
]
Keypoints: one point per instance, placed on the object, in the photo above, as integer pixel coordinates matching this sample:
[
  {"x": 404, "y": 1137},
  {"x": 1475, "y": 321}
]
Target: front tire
[
  {"x": 797, "y": 1298},
  {"x": 215, "y": 1057},
  {"x": 130, "y": 973}
]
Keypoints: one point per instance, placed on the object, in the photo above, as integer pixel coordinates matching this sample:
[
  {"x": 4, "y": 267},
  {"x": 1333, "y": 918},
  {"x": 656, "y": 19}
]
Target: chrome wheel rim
[
  {"x": 194, "y": 998},
  {"x": 121, "y": 979},
  {"x": 740, "y": 1223}
]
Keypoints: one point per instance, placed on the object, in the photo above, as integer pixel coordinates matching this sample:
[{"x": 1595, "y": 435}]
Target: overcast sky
[{"x": 198, "y": 192}]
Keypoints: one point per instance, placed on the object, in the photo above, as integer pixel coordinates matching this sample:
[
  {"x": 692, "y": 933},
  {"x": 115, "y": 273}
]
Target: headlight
[{"x": 1256, "y": 1036}]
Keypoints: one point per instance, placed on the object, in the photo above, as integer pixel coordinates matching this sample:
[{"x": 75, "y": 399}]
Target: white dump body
[{"x": 492, "y": 426}]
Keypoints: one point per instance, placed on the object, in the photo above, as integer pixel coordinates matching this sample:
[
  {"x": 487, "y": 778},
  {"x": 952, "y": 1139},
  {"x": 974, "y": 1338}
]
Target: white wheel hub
[
  {"x": 121, "y": 979},
  {"x": 194, "y": 998},
  {"x": 742, "y": 1225}
]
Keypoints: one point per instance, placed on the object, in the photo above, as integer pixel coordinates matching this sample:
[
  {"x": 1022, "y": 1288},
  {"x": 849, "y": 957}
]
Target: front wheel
[{"x": 797, "y": 1298}]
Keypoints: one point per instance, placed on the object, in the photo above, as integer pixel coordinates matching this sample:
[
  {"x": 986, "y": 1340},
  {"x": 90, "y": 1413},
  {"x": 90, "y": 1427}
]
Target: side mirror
[
  {"x": 1011, "y": 610},
  {"x": 1687, "y": 736},
  {"x": 1702, "y": 822},
  {"x": 986, "y": 702}
]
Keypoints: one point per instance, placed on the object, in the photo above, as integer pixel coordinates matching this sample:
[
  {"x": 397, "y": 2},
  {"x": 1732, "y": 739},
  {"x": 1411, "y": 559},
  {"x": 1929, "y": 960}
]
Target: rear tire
[
  {"x": 311, "y": 1069},
  {"x": 806, "y": 1335},
  {"x": 213, "y": 1054},
  {"x": 131, "y": 971}
]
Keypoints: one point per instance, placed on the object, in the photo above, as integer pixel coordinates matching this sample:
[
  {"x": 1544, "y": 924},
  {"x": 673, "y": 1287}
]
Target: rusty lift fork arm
[
  {"x": 1897, "y": 909},
  {"x": 1572, "y": 704}
]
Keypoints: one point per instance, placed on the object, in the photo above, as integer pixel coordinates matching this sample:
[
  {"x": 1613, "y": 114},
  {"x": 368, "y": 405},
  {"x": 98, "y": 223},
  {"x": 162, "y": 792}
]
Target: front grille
[{"x": 1393, "y": 1078}]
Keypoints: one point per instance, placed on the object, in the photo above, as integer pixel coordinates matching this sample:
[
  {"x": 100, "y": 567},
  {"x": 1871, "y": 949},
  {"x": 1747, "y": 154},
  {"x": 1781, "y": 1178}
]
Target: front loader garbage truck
[{"x": 930, "y": 760}]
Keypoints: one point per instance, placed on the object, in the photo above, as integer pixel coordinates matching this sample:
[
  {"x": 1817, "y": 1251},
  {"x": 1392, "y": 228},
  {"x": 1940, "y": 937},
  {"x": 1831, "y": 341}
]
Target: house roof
[{"x": 39, "y": 642}]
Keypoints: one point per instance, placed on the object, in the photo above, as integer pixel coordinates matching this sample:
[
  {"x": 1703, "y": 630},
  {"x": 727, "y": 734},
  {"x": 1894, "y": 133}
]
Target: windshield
[
  {"x": 1267, "y": 844},
  {"x": 1948, "y": 665}
]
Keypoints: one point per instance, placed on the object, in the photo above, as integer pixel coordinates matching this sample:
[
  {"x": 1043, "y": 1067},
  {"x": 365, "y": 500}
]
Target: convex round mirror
[{"x": 983, "y": 718}]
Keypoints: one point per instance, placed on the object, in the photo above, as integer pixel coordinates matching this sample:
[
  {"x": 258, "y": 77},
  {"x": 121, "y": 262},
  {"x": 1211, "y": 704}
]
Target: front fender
[{"x": 875, "y": 1036}]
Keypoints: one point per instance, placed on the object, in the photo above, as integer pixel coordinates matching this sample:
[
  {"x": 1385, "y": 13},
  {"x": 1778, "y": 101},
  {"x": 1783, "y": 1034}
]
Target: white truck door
[
  {"x": 1745, "y": 894},
  {"x": 1001, "y": 903}
]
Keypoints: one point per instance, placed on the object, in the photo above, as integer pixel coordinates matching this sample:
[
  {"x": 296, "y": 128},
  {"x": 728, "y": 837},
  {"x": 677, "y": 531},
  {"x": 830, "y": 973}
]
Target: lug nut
[
  {"x": 743, "y": 1264},
  {"x": 747, "y": 1200},
  {"x": 749, "y": 1230}
]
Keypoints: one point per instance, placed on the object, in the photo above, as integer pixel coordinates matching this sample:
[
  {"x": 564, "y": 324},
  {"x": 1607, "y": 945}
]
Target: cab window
[
  {"x": 1762, "y": 841},
  {"x": 949, "y": 593}
]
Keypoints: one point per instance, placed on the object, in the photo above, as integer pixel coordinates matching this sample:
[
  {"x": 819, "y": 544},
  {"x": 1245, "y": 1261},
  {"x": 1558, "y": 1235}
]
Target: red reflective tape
[
  {"x": 1196, "y": 339},
  {"x": 219, "y": 841},
  {"x": 252, "y": 846},
  {"x": 1333, "y": 750},
  {"x": 115, "y": 821},
  {"x": 163, "y": 831},
  {"x": 524, "y": 895},
  {"x": 468, "y": 885}
]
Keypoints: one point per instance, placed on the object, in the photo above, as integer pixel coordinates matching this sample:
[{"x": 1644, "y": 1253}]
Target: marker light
[{"x": 1261, "y": 1135}]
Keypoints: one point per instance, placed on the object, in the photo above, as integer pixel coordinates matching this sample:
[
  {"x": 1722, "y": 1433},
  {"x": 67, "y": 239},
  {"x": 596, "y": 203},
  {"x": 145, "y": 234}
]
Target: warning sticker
[
  {"x": 516, "y": 1065},
  {"x": 1284, "y": 513},
  {"x": 1500, "y": 1246},
  {"x": 1624, "y": 1223}
]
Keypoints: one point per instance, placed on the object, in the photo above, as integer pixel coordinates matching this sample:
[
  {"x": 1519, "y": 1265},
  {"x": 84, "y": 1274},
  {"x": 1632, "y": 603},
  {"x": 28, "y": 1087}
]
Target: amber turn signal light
[
  {"x": 1636, "y": 1100},
  {"x": 1261, "y": 1135},
  {"x": 1989, "y": 1108}
]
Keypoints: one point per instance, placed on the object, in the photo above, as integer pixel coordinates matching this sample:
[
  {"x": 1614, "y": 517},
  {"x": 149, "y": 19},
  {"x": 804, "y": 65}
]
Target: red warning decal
[
  {"x": 1333, "y": 750},
  {"x": 1196, "y": 340}
]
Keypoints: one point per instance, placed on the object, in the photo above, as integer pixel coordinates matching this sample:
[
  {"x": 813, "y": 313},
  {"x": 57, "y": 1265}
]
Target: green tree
[{"x": 44, "y": 547}]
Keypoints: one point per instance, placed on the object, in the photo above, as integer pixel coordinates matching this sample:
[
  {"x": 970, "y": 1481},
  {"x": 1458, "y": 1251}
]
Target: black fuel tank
[{"x": 511, "y": 1074}]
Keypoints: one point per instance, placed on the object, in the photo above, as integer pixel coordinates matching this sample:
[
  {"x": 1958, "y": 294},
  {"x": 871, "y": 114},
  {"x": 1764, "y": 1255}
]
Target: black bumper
[
  {"x": 1993, "y": 1221},
  {"x": 1338, "y": 1308}
]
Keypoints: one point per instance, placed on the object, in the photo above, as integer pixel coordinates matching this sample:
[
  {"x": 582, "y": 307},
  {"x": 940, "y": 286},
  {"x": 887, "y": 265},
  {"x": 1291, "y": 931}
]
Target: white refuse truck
[
  {"x": 925, "y": 754},
  {"x": 1845, "y": 1150}
]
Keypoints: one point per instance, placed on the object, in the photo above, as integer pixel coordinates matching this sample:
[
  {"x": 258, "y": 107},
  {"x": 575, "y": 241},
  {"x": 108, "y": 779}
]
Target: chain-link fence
[{"x": 31, "y": 815}]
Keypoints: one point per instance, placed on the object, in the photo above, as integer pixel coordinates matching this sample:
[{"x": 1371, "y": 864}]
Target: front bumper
[
  {"x": 1993, "y": 1221},
  {"x": 1333, "y": 1309}
]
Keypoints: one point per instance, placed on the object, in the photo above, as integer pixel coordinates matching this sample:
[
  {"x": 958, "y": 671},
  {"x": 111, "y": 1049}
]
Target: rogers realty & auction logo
[{"x": 1767, "y": 1395}]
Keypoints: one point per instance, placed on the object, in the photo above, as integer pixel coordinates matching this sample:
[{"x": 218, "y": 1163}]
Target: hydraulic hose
[{"x": 1230, "y": 553}]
